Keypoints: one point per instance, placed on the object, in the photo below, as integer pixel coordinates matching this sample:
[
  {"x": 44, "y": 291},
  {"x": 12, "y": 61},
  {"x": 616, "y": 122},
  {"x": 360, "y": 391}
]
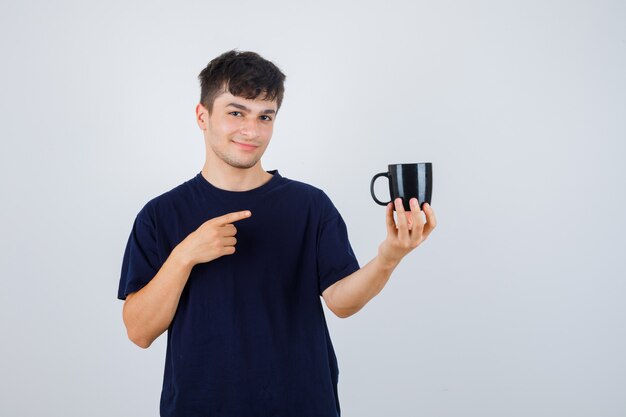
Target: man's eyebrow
[{"x": 244, "y": 108}]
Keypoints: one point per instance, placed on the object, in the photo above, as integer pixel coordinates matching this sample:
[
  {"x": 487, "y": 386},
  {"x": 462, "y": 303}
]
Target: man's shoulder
[
  {"x": 301, "y": 185},
  {"x": 305, "y": 189},
  {"x": 165, "y": 199},
  {"x": 306, "y": 194}
]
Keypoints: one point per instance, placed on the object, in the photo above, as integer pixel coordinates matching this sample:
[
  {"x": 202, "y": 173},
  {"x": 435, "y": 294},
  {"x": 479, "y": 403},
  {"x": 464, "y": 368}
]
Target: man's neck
[{"x": 236, "y": 179}]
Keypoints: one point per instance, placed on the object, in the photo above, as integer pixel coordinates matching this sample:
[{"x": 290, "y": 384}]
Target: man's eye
[
  {"x": 235, "y": 113},
  {"x": 266, "y": 118}
]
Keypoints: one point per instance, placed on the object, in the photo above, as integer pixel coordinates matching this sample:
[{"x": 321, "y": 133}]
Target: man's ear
[{"x": 202, "y": 117}]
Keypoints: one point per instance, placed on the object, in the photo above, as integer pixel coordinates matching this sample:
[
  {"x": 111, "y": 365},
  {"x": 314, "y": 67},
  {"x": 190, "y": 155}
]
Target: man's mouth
[{"x": 246, "y": 146}]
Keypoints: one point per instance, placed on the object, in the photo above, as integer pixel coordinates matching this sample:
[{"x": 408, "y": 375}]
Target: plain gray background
[{"x": 513, "y": 307}]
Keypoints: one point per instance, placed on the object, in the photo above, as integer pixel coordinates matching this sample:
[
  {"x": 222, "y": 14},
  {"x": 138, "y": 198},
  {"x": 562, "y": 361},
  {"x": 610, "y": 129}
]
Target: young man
[{"x": 233, "y": 263}]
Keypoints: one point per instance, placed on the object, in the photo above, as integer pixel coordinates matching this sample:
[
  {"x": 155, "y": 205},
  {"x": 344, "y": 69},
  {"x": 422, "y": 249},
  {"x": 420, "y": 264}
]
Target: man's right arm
[{"x": 149, "y": 312}]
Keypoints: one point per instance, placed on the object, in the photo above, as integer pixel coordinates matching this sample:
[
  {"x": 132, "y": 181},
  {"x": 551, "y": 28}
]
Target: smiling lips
[{"x": 246, "y": 147}]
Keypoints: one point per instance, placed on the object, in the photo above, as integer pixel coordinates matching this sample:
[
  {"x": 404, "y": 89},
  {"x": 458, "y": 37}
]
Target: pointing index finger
[{"x": 233, "y": 217}]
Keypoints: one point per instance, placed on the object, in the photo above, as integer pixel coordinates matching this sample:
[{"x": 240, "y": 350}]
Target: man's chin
[
  {"x": 238, "y": 161},
  {"x": 242, "y": 165}
]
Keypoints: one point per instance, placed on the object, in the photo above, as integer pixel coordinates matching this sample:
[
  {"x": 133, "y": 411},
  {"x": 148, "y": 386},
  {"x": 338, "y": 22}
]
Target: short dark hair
[{"x": 243, "y": 74}]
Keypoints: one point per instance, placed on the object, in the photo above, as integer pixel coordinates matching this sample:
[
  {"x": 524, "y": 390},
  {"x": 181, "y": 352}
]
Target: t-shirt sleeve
[
  {"x": 141, "y": 260},
  {"x": 336, "y": 259}
]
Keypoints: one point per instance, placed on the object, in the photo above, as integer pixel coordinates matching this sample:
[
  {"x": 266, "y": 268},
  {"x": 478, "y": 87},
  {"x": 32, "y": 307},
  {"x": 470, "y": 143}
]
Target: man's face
[{"x": 238, "y": 129}]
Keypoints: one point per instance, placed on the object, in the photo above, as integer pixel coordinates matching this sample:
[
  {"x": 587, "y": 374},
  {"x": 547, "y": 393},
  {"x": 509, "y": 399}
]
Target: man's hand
[
  {"x": 410, "y": 230},
  {"x": 213, "y": 239}
]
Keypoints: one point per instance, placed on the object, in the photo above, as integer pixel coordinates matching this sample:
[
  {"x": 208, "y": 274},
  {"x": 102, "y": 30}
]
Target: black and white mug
[{"x": 407, "y": 181}]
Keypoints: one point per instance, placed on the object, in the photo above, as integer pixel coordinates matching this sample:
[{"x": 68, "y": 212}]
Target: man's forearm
[
  {"x": 354, "y": 291},
  {"x": 350, "y": 294},
  {"x": 149, "y": 311}
]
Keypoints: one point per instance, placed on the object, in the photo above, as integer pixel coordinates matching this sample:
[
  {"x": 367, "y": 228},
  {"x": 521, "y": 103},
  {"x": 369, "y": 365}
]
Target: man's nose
[{"x": 249, "y": 128}]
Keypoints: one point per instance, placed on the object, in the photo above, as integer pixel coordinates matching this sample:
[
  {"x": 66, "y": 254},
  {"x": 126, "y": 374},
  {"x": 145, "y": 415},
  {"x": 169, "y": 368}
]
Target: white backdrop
[{"x": 513, "y": 307}]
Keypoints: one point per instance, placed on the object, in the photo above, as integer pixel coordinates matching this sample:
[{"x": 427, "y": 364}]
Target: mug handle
[{"x": 382, "y": 174}]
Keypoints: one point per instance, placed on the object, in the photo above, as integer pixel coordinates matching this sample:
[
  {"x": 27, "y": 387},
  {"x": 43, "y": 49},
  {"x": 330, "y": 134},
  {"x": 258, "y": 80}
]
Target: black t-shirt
[{"x": 249, "y": 337}]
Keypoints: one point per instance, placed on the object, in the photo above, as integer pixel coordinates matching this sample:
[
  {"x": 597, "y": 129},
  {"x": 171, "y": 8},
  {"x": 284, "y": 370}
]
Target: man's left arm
[{"x": 350, "y": 294}]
